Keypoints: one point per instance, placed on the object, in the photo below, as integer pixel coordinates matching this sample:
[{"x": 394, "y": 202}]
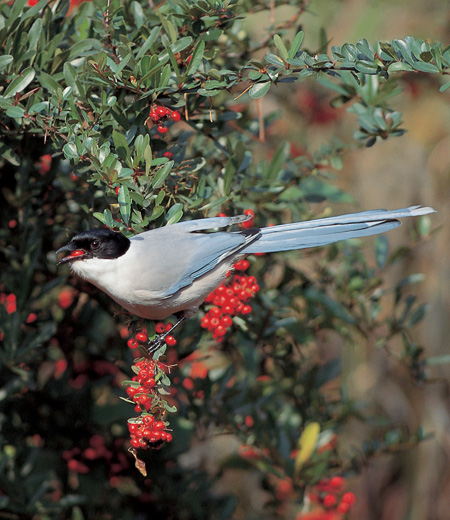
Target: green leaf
[
  {"x": 425, "y": 67},
  {"x": 5, "y": 60},
  {"x": 19, "y": 83},
  {"x": 124, "y": 204},
  {"x": 121, "y": 146},
  {"x": 161, "y": 175},
  {"x": 230, "y": 170},
  {"x": 196, "y": 59},
  {"x": 148, "y": 156},
  {"x": 418, "y": 314},
  {"x": 281, "y": 47},
  {"x": 15, "y": 112},
  {"x": 444, "y": 87},
  {"x": 174, "y": 214},
  {"x": 381, "y": 250},
  {"x": 296, "y": 44},
  {"x": 49, "y": 83},
  {"x": 259, "y": 90},
  {"x": 398, "y": 66},
  {"x": 157, "y": 212}
]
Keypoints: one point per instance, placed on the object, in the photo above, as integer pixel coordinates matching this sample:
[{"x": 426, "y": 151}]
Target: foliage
[{"x": 79, "y": 147}]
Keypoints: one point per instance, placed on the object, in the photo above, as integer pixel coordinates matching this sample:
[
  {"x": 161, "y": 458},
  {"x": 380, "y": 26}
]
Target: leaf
[
  {"x": 306, "y": 444},
  {"x": 5, "y": 60},
  {"x": 49, "y": 83},
  {"x": 19, "y": 83},
  {"x": 124, "y": 204},
  {"x": 121, "y": 146},
  {"x": 15, "y": 112},
  {"x": 444, "y": 87},
  {"x": 230, "y": 170},
  {"x": 381, "y": 250},
  {"x": 296, "y": 44},
  {"x": 161, "y": 174},
  {"x": 418, "y": 314},
  {"x": 281, "y": 47},
  {"x": 259, "y": 90},
  {"x": 174, "y": 214},
  {"x": 398, "y": 66},
  {"x": 425, "y": 67},
  {"x": 196, "y": 59}
]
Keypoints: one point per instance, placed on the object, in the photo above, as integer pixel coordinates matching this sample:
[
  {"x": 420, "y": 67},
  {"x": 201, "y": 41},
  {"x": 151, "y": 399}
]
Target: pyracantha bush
[{"x": 136, "y": 114}]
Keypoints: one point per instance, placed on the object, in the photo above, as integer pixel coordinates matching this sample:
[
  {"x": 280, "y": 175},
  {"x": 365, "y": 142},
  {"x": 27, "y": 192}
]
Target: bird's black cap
[{"x": 95, "y": 243}]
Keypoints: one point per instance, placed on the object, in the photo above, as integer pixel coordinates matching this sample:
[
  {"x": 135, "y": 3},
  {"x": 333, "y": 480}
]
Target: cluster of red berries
[
  {"x": 328, "y": 495},
  {"x": 142, "y": 391},
  {"x": 160, "y": 328},
  {"x": 9, "y": 301},
  {"x": 147, "y": 430},
  {"x": 159, "y": 114},
  {"x": 229, "y": 299},
  {"x": 81, "y": 461}
]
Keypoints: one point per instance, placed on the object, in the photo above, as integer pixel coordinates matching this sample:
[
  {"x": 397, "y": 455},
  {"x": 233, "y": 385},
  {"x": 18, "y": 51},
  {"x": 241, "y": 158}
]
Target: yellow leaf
[{"x": 306, "y": 444}]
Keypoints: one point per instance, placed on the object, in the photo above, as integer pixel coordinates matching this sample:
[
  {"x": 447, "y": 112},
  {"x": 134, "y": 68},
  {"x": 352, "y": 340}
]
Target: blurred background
[{"x": 412, "y": 169}]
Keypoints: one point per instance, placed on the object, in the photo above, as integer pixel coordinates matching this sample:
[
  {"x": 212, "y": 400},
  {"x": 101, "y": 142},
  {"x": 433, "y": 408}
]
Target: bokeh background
[{"x": 412, "y": 169}]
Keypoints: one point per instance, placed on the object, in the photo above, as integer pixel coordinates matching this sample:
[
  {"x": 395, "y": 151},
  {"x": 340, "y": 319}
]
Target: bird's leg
[{"x": 158, "y": 342}]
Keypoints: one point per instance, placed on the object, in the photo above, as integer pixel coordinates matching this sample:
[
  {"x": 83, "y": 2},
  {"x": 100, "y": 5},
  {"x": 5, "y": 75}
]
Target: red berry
[
  {"x": 349, "y": 498},
  {"x": 169, "y": 155},
  {"x": 132, "y": 343},
  {"x": 141, "y": 336},
  {"x": 246, "y": 309},
  {"x": 160, "y": 327},
  {"x": 161, "y": 111},
  {"x": 221, "y": 215},
  {"x": 135, "y": 443},
  {"x": 329, "y": 500},
  {"x": 162, "y": 129},
  {"x": 204, "y": 322},
  {"x": 171, "y": 341},
  {"x": 226, "y": 321},
  {"x": 117, "y": 190},
  {"x": 169, "y": 326},
  {"x": 249, "y": 212},
  {"x": 176, "y": 116},
  {"x": 343, "y": 507},
  {"x": 336, "y": 482},
  {"x": 159, "y": 425},
  {"x": 153, "y": 116},
  {"x": 215, "y": 312}
]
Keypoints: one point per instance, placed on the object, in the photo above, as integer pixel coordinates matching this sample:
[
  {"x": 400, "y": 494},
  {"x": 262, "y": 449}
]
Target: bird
[{"x": 172, "y": 269}]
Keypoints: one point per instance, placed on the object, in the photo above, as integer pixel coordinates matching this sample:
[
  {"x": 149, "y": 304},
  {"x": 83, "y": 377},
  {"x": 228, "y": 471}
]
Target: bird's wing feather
[{"x": 187, "y": 255}]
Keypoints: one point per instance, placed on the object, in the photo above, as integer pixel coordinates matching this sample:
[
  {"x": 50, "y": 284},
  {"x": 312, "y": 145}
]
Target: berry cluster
[
  {"x": 147, "y": 430},
  {"x": 141, "y": 337},
  {"x": 159, "y": 114},
  {"x": 82, "y": 461},
  {"x": 329, "y": 499},
  {"x": 229, "y": 299}
]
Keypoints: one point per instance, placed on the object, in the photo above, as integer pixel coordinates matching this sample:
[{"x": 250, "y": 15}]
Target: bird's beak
[{"x": 75, "y": 254}]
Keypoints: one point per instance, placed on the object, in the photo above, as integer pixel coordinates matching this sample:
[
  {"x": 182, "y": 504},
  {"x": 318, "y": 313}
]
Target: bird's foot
[{"x": 155, "y": 344}]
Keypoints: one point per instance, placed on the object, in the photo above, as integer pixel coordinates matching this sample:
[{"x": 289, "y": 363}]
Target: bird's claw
[{"x": 155, "y": 344}]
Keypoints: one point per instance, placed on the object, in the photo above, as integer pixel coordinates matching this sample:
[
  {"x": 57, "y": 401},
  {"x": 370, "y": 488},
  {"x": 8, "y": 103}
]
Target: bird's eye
[{"x": 95, "y": 244}]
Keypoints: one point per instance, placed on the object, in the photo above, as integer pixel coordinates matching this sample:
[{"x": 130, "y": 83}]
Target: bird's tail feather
[{"x": 324, "y": 231}]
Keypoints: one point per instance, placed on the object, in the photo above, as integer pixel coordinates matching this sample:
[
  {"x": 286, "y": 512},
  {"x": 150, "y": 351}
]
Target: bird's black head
[{"x": 95, "y": 243}]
